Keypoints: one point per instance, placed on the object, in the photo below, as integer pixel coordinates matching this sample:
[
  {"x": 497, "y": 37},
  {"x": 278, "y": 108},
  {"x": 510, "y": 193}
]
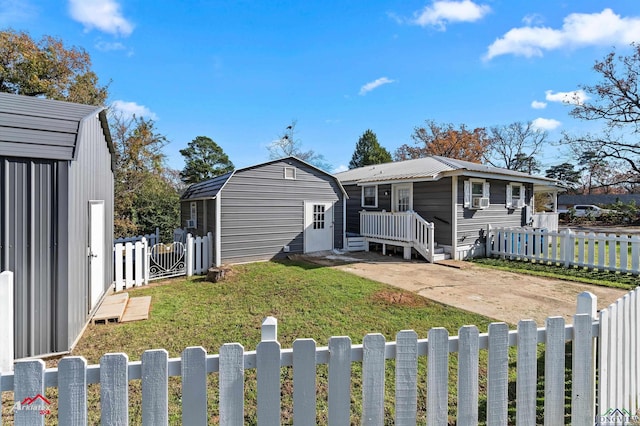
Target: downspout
[
  {"x": 454, "y": 217},
  {"x": 217, "y": 258},
  {"x": 344, "y": 222}
]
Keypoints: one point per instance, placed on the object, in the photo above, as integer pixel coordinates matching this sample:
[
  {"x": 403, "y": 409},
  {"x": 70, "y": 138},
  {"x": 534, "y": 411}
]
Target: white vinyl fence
[
  {"x": 136, "y": 263},
  {"x": 115, "y": 371},
  {"x": 620, "y": 253},
  {"x": 152, "y": 239}
]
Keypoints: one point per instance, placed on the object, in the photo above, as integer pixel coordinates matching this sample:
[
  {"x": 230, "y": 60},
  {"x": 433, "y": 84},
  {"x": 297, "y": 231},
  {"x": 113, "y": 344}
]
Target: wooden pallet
[
  {"x": 137, "y": 309},
  {"x": 112, "y": 308}
]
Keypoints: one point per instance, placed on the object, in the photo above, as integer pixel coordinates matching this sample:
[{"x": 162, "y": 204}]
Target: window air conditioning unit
[
  {"x": 191, "y": 223},
  {"x": 519, "y": 204},
  {"x": 479, "y": 202}
]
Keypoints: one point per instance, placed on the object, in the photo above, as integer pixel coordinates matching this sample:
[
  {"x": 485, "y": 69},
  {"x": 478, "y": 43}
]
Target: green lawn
[{"x": 309, "y": 302}]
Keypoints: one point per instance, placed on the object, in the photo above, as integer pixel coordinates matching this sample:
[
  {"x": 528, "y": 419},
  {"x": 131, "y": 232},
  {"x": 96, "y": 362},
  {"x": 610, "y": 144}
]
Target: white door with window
[
  {"x": 96, "y": 251},
  {"x": 318, "y": 226},
  {"x": 402, "y": 199}
]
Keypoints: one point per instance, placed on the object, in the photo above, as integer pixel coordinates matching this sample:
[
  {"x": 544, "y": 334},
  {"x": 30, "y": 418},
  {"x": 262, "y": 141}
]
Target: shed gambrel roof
[
  {"x": 210, "y": 188},
  {"x": 43, "y": 128},
  {"x": 432, "y": 168}
]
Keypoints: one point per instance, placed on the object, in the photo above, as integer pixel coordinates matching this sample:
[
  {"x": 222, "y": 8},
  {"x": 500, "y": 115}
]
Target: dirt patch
[
  {"x": 399, "y": 298},
  {"x": 504, "y": 296}
]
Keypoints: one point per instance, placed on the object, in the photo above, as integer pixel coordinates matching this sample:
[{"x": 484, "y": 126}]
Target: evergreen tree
[
  {"x": 204, "y": 159},
  {"x": 369, "y": 151}
]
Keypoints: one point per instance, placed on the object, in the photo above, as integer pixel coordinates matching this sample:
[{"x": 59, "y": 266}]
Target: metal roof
[
  {"x": 43, "y": 128},
  {"x": 428, "y": 168}
]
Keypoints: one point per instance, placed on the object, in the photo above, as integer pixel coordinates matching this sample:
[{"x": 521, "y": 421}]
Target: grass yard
[
  {"x": 574, "y": 273},
  {"x": 308, "y": 300}
]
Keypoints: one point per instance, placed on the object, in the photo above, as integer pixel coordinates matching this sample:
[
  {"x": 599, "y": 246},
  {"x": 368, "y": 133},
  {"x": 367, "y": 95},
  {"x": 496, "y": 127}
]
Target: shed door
[
  {"x": 96, "y": 251},
  {"x": 318, "y": 226}
]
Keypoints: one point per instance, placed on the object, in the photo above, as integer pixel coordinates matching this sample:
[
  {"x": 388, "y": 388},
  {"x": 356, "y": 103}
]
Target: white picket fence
[
  {"x": 620, "y": 253},
  {"x": 132, "y": 261},
  {"x": 152, "y": 239},
  {"x": 115, "y": 371}
]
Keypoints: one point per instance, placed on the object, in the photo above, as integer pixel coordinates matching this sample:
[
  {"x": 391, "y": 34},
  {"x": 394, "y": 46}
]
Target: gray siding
[
  {"x": 90, "y": 178},
  {"x": 354, "y": 204},
  {"x": 432, "y": 201},
  {"x": 472, "y": 224},
  {"x": 28, "y": 241},
  {"x": 261, "y": 212}
]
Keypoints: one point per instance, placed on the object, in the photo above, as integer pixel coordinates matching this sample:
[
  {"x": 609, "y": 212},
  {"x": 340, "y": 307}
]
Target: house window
[
  {"x": 476, "y": 194},
  {"x": 193, "y": 216},
  {"x": 318, "y": 216},
  {"x": 370, "y": 196},
  {"x": 515, "y": 196},
  {"x": 290, "y": 173}
]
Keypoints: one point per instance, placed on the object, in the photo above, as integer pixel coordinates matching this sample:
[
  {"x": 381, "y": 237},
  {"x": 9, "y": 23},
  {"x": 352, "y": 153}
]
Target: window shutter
[
  {"x": 467, "y": 193},
  {"x": 486, "y": 190},
  {"x": 509, "y": 197}
]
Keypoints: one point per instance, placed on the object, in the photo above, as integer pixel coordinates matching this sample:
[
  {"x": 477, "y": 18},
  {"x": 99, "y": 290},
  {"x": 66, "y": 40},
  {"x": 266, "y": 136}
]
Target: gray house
[
  {"x": 452, "y": 200},
  {"x": 56, "y": 217},
  {"x": 267, "y": 211}
]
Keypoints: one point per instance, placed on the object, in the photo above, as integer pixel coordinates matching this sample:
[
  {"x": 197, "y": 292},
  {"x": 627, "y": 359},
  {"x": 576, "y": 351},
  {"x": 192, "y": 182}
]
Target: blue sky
[{"x": 239, "y": 72}]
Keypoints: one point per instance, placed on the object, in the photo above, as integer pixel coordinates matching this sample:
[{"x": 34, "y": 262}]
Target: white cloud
[
  {"x": 578, "y": 29},
  {"x": 545, "y": 124},
  {"x": 340, "y": 168},
  {"x": 374, "y": 85},
  {"x": 106, "y": 46},
  {"x": 538, "y": 105},
  {"x": 104, "y": 15},
  {"x": 576, "y": 97},
  {"x": 129, "y": 109},
  {"x": 439, "y": 13}
]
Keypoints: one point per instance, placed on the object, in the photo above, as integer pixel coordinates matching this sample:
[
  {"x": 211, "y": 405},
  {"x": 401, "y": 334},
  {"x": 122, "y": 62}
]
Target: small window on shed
[{"x": 290, "y": 173}]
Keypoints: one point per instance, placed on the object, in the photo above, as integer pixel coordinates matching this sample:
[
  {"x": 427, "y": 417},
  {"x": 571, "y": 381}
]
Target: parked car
[{"x": 584, "y": 210}]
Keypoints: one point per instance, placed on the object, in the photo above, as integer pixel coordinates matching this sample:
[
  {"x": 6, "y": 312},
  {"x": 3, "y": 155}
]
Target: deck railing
[{"x": 403, "y": 227}]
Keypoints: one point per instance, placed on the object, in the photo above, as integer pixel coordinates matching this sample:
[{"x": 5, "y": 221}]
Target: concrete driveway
[{"x": 504, "y": 296}]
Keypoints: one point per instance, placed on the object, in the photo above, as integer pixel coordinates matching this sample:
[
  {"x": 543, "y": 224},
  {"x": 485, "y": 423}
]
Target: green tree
[
  {"x": 369, "y": 151},
  {"x": 287, "y": 145},
  {"x": 564, "y": 172},
  {"x": 204, "y": 159},
  {"x": 144, "y": 195},
  {"x": 47, "y": 68}
]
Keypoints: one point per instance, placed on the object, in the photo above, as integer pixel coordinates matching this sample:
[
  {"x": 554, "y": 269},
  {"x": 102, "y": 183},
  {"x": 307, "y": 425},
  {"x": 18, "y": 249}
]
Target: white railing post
[
  {"x": 487, "y": 250},
  {"x": 6, "y": 321},
  {"x": 269, "y": 329},
  {"x": 568, "y": 252},
  {"x": 189, "y": 248},
  {"x": 146, "y": 261}
]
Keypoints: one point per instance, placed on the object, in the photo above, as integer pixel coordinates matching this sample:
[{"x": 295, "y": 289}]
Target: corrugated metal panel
[
  {"x": 90, "y": 178},
  {"x": 28, "y": 242},
  {"x": 260, "y": 199},
  {"x": 40, "y": 128}
]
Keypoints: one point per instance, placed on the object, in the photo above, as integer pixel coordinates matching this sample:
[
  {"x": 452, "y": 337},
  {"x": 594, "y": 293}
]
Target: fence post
[
  {"x": 189, "y": 255},
  {"x": 146, "y": 262},
  {"x": 588, "y": 304},
  {"x": 6, "y": 321},
  {"x": 487, "y": 249},
  {"x": 269, "y": 329},
  {"x": 210, "y": 251},
  {"x": 157, "y": 236},
  {"x": 568, "y": 247}
]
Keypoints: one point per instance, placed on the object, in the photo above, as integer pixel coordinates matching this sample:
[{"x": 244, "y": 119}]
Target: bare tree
[
  {"x": 288, "y": 146},
  {"x": 514, "y": 147}
]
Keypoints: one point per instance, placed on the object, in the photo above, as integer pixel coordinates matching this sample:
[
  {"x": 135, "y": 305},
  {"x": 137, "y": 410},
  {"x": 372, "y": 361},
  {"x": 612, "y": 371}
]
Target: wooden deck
[{"x": 120, "y": 308}]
